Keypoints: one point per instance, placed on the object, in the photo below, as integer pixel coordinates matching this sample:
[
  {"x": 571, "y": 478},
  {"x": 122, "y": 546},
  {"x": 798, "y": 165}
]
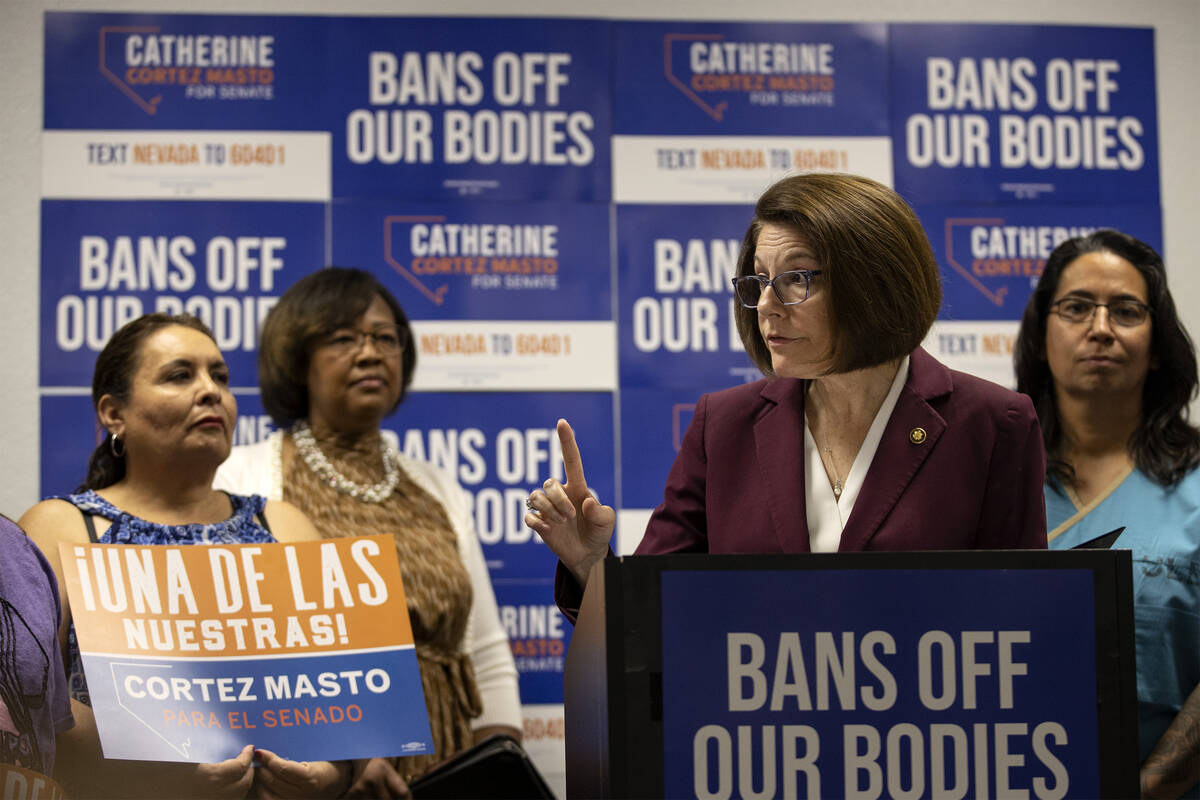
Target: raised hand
[{"x": 572, "y": 523}]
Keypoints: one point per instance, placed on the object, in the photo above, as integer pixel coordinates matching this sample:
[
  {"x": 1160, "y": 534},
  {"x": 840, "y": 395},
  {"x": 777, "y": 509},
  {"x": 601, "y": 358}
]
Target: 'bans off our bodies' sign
[
  {"x": 191, "y": 653},
  {"x": 886, "y": 683}
]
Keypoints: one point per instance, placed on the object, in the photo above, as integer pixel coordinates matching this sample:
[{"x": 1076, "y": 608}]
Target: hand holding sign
[
  {"x": 229, "y": 778},
  {"x": 281, "y": 778},
  {"x": 375, "y": 778},
  {"x": 572, "y": 523}
]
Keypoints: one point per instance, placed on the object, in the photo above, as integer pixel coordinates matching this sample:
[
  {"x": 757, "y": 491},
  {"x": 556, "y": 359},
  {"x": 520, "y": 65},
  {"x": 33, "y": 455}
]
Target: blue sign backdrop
[
  {"x": 185, "y": 71},
  {"x": 674, "y": 265},
  {"x": 68, "y": 442},
  {"x": 479, "y": 108},
  {"x": 417, "y": 108},
  {"x": 481, "y": 260},
  {"x": 992, "y": 256},
  {"x": 746, "y": 78},
  {"x": 785, "y": 691},
  {"x": 538, "y": 635},
  {"x": 105, "y": 263},
  {"x": 1005, "y": 113},
  {"x": 653, "y": 422}
]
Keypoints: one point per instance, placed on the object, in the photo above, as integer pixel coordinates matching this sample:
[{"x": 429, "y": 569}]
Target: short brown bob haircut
[
  {"x": 880, "y": 272},
  {"x": 315, "y": 306}
]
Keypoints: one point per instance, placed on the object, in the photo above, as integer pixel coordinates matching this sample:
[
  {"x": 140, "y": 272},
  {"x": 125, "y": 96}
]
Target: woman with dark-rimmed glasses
[
  {"x": 336, "y": 358},
  {"x": 856, "y": 438},
  {"x": 1111, "y": 372}
]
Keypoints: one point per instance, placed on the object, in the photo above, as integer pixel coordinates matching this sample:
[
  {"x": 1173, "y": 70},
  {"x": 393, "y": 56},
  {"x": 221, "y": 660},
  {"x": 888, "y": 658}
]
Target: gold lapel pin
[{"x": 917, "y": 435}]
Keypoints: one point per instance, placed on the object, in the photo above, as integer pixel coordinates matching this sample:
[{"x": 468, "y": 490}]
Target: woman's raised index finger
[{"x": 572, "y": 462}]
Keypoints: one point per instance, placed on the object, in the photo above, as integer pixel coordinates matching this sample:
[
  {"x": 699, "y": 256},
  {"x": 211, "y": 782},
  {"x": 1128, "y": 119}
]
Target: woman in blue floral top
[{"x": 161, "y": 391}]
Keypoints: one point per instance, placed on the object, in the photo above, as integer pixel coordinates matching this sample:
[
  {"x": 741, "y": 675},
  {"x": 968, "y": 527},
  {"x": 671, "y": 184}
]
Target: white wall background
[{"x": 1176, "y": 24}]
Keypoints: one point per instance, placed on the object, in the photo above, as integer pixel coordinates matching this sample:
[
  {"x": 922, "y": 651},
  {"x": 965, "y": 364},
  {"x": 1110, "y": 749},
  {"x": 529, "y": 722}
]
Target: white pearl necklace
[{"x": 307, "y": 447}]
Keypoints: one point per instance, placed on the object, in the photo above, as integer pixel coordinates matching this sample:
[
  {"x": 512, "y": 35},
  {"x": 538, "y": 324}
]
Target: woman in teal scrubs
[{"x": 1111, "y": 372}]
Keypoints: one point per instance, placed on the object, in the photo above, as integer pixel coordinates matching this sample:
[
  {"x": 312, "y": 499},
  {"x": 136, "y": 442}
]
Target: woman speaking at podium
[{"x": 856, "y": 438}]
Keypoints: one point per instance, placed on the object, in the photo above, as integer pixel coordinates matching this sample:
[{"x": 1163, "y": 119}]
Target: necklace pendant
[{"x": 837, "y": 490}]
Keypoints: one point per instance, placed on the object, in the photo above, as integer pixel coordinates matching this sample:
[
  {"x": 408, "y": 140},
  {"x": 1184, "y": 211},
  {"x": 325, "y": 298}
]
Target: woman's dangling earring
[{"x": 113, "y": 442}]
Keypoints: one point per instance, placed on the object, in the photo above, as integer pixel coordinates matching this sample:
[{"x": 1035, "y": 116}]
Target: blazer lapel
[
  {"x": 900, "y": 454},
  {"x": 779, "y": 439}
]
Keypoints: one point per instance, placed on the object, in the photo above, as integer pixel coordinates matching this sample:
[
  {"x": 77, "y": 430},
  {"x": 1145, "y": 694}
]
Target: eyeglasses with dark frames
[
  {"x": 1127, "y": 313},
  {"x": 791, "y": 288},
  {"x": 387, "y": 339}
]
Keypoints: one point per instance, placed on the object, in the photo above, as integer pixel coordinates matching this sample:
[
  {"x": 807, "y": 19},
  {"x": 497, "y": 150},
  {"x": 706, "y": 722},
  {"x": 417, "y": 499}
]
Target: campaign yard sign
[
  {"x": 18, "y": 783},
  {"x": 191, "y": 653}
]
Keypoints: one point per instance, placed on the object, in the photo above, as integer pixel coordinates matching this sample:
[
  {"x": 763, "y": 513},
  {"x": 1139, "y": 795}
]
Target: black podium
[{"x": 865, "y": 674}]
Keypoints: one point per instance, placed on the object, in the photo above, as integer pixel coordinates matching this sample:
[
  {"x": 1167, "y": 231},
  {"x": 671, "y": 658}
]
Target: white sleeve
[
  {"x": 491, "y": 655},
  {"x": 487, "y": 644},
  {"x": 253, "y": 469}
]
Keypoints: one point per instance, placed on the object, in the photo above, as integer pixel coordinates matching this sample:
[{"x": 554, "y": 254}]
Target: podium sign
[{"x": 947, "y": 674}]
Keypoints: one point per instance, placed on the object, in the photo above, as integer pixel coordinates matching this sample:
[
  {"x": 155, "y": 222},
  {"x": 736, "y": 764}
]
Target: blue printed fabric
[{"x": 243, "y": 527}]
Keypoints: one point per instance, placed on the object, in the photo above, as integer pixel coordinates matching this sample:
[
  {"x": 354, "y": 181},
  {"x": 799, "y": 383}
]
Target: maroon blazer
[{"x": 960, "y": 467}]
